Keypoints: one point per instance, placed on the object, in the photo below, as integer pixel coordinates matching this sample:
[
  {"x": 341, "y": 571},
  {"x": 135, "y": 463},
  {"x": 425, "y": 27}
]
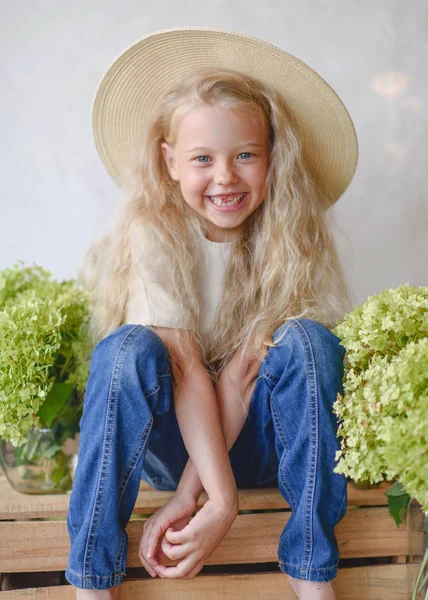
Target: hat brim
[{"x": 138, "y": 78}]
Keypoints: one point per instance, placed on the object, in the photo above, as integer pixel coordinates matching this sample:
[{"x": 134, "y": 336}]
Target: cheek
[
  {"x": 196, "y": 182},
  {"x": 193, "y": 187},
  {"x": 260, "y": 176}
]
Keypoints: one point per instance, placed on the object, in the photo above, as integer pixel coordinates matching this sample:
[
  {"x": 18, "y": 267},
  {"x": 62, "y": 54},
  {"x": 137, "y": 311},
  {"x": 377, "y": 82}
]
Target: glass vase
[{"x": 39, "y": 466}]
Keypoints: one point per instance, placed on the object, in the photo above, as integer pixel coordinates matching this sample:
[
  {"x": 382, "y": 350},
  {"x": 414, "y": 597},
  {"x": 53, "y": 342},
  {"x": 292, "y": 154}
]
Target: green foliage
[
  {"x": 398, "y": 502},
  {"x": 54, "y": 402},
  {"x": 383, "y": 412},
  {"x": 44, "y": 351}
]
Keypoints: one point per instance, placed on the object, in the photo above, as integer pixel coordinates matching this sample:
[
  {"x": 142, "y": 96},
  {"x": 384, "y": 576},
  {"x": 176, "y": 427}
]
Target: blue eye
[{"x": 205, "y": 156}]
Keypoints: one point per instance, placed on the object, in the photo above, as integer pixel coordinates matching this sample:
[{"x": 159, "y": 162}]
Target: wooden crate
[{"x": 378, "y": 560}]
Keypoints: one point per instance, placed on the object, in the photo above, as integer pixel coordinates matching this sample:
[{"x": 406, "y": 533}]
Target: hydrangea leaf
[
  {"x": 397, "y": 506},
  {"x": 55, "y": 400}
]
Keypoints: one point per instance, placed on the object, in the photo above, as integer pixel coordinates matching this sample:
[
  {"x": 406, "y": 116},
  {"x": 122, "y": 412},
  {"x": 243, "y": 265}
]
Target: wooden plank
[
  {"x": 378, "y": 582},
  {"x": 253, "y": 538},
  {"x": 15, "y": 505}
]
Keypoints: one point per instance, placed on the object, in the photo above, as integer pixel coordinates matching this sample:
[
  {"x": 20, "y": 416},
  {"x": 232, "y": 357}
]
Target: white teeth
[{"x": 219, "y": 202}]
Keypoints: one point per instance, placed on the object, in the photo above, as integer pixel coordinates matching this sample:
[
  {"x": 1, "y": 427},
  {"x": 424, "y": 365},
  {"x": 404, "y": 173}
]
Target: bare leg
[
  {"x": 110, "y": 594},
  {"x": 312, "y": 590}
]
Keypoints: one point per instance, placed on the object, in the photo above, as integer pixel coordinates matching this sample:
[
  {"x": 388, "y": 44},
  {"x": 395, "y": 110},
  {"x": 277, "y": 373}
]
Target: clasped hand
[{"x": 171, "y": 532}]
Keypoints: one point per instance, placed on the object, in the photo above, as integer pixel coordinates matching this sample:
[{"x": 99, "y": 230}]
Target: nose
[{"x": 225, "y": 174}]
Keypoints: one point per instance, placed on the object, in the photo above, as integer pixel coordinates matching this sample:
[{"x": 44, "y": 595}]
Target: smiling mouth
[{"x": 223, "y": 200}]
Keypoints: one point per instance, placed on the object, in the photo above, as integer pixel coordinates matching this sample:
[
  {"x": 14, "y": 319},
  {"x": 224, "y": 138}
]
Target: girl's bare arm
[
  {"x": 236, "y": 385},
  {"x": 198, "y": 416}
]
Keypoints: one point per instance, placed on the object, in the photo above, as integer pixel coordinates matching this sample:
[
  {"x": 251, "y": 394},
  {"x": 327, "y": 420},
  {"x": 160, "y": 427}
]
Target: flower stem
[{"x": 418, "y": 583}]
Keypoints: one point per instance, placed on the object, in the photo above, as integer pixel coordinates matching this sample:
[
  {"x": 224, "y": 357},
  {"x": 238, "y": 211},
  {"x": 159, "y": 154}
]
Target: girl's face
[{"x": 220, "y": 153}]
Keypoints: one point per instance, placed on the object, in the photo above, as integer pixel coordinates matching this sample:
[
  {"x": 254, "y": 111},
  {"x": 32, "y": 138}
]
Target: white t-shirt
[{"x": 150, "y": 300}]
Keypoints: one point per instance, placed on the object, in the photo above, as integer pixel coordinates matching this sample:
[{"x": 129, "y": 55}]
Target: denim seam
[
  {"x": 162, "y": 372},
  {"x": 269, "y": 375},
  {"x": 266, "y": 371},
  {"x": 133, "y": 463},
  {"x": 284, "y": 453},
  {"x": 312, "y": 393},
  {"x": 285, "y": 484},
  {"x": 165, "y": 371},
  {"x": 333, "y": 566},
  {"x": 119, "y": 555},
  {"x": 106, "y": 454},
  {"x": 134, "y": 460},
  {"x": 341, "y": 507},
  {"x": 154, "y": 389},
  {"x": 70, "y": 522},
  {"x": 261, "y": 482},
  {"x": 96, "y": 576},
  {"x": 313, "y": 420},
  {"x": 277, "y": 422}
]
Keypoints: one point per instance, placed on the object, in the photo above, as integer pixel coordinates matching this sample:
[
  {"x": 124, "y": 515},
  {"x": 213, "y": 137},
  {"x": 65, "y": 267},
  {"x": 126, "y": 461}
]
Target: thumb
[{"x": 173, "y": 536}]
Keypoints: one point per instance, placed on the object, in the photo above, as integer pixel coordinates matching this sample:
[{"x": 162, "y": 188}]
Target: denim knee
[
  {"x": 145, "y": 337},
  {"x": 310, "y": 336},
  {"x": 316, "y": 331},
  {"x": 131, "y": 353},
  {"x": 141, "y": 341}
]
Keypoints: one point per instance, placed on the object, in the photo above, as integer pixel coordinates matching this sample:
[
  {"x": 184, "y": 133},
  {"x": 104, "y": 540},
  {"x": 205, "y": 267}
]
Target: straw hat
[{"x": 136, "y": 80}]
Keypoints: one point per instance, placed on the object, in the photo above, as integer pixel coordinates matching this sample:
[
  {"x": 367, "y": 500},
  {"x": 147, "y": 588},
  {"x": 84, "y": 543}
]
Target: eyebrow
[{"x": 199, "y": 148}]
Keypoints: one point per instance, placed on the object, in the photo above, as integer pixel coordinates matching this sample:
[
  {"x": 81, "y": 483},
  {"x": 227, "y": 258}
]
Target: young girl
[{"x": 214, "y": 367}]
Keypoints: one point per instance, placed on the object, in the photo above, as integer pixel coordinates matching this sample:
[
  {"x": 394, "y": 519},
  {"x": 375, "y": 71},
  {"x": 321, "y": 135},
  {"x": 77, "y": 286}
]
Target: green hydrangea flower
[
  {"x": 43, "y": 341},
  {"x": 383, "y": 413}
]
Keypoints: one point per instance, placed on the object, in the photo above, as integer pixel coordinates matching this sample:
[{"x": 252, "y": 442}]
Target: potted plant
[
  {"x": 44, "y": 365},
  {"x": 383, "y": 413}
]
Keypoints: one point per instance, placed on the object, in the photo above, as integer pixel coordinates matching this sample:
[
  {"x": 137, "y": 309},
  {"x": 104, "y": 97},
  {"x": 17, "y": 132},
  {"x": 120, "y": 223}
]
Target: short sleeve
[{"x": 150, "y": 295}]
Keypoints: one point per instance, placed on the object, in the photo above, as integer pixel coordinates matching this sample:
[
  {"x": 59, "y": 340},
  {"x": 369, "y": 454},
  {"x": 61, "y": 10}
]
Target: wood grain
[
  {"x": 379, "y": 582},
  {"x": 253, "y": 538},
  {"x": 15, "y": 505}
]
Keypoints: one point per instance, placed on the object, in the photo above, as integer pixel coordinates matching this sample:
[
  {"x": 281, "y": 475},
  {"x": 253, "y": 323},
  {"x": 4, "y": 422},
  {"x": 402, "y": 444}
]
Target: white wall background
[{"x": 56, "y": 195}]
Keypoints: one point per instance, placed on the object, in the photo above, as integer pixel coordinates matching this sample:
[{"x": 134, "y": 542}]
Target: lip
[
  {"x": 230, "y": 209},
  {"x": 227, "y": 195}
]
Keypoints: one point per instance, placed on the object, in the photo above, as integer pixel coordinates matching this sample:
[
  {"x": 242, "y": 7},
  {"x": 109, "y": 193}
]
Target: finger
[
  {"x": 195, "y": 571},
  {"x": 181, "y": 570},
  {"x": 177, "y": 537},
  {"x": 158, "y": 558},
  {"x": 152, "y": 542},
  {"x": 163, "y": 553},
  {"x": 142, "y": 550},
  {"x": 147, "y": 526},
  {"x": 146, "y": 565},
  {"x": 161, "y": 557},
  {"x": 175, "y": 551},
  {"x": 151, "y": 562}
]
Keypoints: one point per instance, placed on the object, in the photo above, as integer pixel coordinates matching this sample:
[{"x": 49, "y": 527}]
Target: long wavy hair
[{"x": 283, "y": 266}]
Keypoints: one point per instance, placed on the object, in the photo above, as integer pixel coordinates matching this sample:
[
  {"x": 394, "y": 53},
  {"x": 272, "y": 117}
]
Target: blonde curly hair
[{"x": 283, "y": 266}]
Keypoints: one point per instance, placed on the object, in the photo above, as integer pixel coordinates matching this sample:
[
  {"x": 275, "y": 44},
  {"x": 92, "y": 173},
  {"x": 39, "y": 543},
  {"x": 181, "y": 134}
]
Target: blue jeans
[{"x": 129, "y": 431}]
